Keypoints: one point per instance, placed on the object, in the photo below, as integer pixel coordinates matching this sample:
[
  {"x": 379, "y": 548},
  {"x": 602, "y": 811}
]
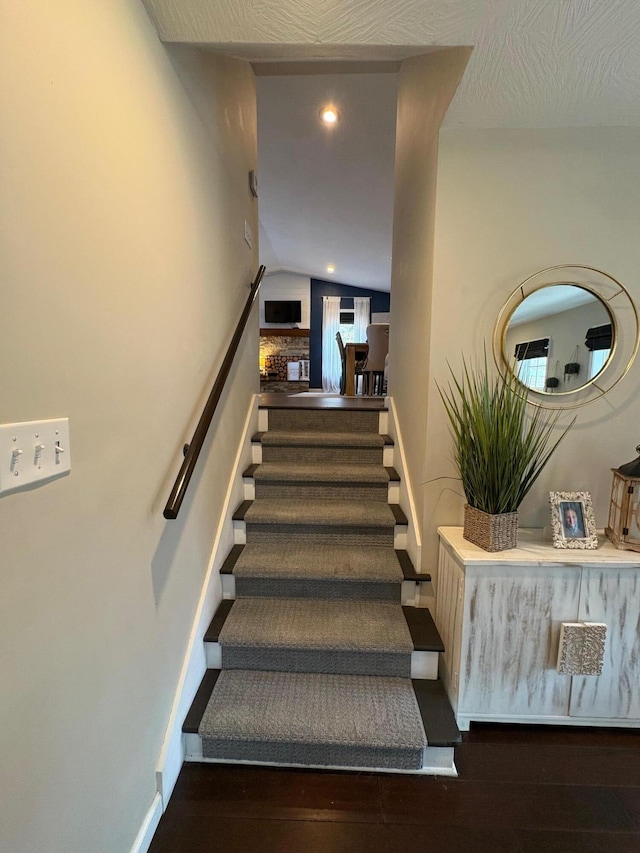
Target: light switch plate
[{"x": 33, "y": 451}]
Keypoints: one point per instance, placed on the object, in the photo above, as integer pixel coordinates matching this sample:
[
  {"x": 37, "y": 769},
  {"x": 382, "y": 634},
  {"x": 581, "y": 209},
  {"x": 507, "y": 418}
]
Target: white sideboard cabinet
[{"x": 500, "y": 615}]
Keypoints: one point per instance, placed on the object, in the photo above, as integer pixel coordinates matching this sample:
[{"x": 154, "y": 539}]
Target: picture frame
[{"x": 572, "y": 520}]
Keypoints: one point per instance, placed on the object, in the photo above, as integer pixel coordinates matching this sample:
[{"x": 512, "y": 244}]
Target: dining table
[{"x": 354, "y": 352}]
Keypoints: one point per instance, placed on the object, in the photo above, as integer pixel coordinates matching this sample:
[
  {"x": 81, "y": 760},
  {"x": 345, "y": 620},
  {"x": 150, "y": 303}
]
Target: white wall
[
  {"x": 286, "y": 286},
  {"x": 123, "y": 268},
  {"x": 426, "y": 85},
  {"x": 511, "y": 202}
]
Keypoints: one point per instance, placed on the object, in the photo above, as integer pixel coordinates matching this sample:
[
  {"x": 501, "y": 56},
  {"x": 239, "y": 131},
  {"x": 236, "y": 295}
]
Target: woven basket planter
[{"x": 490, "y": 532}]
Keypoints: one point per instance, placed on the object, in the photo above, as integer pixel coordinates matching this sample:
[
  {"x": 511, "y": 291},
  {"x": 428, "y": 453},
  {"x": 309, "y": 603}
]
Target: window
[
  {"x": 532, "y": 372},
  {"x": 598, "y": 360},
  {"x": 347, "y": 328},
  {"x": 598, "y": 341},
  {"x": 532, "y": 358}
]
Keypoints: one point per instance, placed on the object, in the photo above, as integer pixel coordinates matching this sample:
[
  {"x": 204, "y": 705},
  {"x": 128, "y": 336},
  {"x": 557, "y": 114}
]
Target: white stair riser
[
  {"x": 249, "y": 486},
  {"x": 436, "y": 760},
  {"x": 399, "y": 535},
  {"x": 423, "y": 664},
  {"x": 263, "y": 421},
  {"x": 412, "y": 594},
  {"x": 387, "y": 454}
]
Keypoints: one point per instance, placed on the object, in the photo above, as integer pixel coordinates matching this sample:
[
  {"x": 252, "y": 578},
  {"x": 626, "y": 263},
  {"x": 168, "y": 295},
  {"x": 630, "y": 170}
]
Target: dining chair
[{"x": 378, "y": 340}]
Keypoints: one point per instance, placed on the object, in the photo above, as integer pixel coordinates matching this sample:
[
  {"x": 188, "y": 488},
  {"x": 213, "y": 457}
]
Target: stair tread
[
  {"x": 289, "y": 623},
  {"x": 309, "y": 708},
  {"x": 318, "y": 472},
  {"x": 341, "y": 513},
  {"x": 294, "y": 438},
  {"x": 343, "y": 562},
  {"x": 436, "y": 716}
]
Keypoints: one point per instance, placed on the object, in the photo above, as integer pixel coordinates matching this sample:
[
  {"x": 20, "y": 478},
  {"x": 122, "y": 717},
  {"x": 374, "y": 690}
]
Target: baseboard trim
[
  {"x": 194, "y": 664},
  {"x": 414, "y": 541},
  {"x": 149, "y": 826}
]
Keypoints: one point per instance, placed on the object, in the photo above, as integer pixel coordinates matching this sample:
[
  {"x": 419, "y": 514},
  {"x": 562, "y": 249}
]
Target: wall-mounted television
[{"x": 283, "y": 312}]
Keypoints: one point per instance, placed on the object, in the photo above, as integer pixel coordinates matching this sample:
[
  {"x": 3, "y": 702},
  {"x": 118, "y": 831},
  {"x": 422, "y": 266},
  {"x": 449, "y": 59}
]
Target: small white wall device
[{"x": 33, "y": 451}]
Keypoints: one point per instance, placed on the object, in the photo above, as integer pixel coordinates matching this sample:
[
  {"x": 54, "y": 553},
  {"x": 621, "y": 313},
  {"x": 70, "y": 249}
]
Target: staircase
[{"x": 316, "y": 655}]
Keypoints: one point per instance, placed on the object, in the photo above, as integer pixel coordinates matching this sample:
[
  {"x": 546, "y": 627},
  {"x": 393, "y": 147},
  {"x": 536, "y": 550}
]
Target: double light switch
[{"x": 33, "y": 451}]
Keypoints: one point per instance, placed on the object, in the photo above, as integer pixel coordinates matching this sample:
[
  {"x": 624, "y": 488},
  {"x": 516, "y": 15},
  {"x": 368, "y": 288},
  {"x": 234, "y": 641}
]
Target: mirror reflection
[{"x": 559, "y": 338}]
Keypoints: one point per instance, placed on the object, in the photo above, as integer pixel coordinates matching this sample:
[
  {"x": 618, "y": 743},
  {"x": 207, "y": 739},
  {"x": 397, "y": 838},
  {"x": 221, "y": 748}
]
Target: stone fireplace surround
[{"x": 277, "y": 348}]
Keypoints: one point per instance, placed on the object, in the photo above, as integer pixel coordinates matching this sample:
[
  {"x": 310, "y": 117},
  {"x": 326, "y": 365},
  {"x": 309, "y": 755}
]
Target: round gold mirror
[{"x": 568, "y": 334}]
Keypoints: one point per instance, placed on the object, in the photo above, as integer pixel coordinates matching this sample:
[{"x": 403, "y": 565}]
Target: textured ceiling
[
  {"x": 328, "y": 199},
  {"x": 536, "y": 63}
]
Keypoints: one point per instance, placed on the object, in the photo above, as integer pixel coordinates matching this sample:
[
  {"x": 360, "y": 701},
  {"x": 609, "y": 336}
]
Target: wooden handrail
[{"x": 192, "y": 450}]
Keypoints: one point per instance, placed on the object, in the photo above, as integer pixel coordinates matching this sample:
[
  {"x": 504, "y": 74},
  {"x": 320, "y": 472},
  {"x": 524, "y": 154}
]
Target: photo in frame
[{"x": 572, "y": 520}]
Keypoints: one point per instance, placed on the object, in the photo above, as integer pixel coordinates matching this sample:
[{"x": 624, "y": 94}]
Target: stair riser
[
  {"x": 303, "y": 660},
  {"x": 286, "y": 588},
  {"x": 317, "y": 534},
  {"x": 419, "y": 664},
  {"x": 325, "y": 491},
  {"x": 360, "y": 455},
  {"x": 307, "y": 754},
  {"x": 392, "y": 494},
  {"x": 246, "y": 587},
  {"x": 323, "y": 420},
  {"x": 435, "y": 761}
]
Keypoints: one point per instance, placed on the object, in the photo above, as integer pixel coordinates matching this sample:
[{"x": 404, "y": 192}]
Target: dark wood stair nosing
[
  {"x": 231, "y": 559},
  {"x": 251, "y": 469},
  {"x": 424, "y": 634},
  {"x": 241, "y": 511},
  {"x": 394, "y": 477},
  {"x": 212, "y": 634},
  {"x": 437, "y": 714},
  {"x": 398, "y": 514},
  {"x": 408, "y": 570},
  {"x": 200, "y": 702}
]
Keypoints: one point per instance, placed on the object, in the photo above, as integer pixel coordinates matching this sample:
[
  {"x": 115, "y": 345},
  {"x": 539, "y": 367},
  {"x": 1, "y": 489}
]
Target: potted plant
[{"x": 500, "y": 450}]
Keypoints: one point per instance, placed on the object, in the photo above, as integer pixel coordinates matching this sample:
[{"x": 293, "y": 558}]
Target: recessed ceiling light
[
  {"x": 329, "y": 115},
  {"x": 331, "y": 268}
]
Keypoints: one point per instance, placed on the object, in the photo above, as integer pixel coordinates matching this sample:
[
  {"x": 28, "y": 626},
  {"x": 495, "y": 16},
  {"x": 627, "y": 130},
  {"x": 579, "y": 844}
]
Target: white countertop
[{"x": 533, "y": 549}]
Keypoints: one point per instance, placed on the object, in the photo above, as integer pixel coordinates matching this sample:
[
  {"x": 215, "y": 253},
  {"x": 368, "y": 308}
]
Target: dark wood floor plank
[
  {"x": 522, "y": 789},
  {"x": 631, "y": 800},
  {"x": 558, "y": 765},
  {"x": 560, "y": 735},
  {"x": 208, "y": 790},
  {"x": 278, "y": 836},
  {"x": 578, "y": 842},
  {"x": 492, "y": 804}
]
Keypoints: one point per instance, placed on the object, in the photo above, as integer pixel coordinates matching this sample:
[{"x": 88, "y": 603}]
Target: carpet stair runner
[{"x": 313, "y": 659}]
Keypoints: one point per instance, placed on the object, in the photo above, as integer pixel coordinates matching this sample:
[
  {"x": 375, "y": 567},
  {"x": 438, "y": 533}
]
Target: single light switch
[{"x": 33, "y": 451}]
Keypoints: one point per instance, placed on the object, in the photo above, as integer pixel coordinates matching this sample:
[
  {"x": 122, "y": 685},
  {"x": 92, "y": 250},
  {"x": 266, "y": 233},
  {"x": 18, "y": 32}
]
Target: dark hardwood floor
[{"x": 521, "y": 789}]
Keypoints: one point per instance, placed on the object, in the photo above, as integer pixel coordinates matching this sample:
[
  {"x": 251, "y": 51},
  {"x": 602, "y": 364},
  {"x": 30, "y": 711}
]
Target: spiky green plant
[{"x": 500, "y": 447}]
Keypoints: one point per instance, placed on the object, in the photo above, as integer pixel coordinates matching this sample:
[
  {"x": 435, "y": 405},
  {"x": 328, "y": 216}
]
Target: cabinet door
[
  {"x": 511, "y": 633},
  {"x": 611, "y": 596}
]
